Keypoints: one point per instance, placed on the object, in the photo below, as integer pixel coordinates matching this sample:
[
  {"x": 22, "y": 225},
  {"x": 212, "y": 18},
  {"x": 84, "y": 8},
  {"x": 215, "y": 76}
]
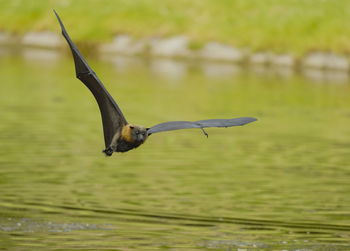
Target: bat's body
[
  {"x": 129, "y": 137},
  {"x": 119, "y": 135}
]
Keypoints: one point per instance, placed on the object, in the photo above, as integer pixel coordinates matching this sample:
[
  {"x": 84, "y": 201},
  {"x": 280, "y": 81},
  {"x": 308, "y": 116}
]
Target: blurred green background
[
  {"x": 281, "y": 183},
  {"x": 281, "y": 26}
]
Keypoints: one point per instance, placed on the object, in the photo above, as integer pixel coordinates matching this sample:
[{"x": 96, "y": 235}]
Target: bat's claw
[
  {"x": 108, "y": 151},
  {"x": 205, "y": 133}
]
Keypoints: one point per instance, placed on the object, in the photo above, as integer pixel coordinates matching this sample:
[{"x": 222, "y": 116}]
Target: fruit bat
[{"x": 119, "y": 135}]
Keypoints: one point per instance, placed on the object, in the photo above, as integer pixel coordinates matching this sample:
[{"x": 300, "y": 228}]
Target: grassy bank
[{"x": 281, "y": 26}]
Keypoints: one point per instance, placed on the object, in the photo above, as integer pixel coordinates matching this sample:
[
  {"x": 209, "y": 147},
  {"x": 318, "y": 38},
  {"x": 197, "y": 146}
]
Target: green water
[{"x": 281, "y": 183}]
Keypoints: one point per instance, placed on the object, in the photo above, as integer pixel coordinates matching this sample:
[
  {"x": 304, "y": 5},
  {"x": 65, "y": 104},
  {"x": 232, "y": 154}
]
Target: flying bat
[{"x": 119, "y": 135}]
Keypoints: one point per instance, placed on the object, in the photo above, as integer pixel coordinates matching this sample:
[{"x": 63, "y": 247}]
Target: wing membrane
[
  {"x": 177, "y": 125},
  {"x": 112, "y": 117}
]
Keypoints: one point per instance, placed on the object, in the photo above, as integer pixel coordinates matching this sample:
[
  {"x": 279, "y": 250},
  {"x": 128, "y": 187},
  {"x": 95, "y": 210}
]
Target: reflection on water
[
  {"x": 178, "y": 69},
  {"x": 40, "y": 55},
  {"x": 280, "y": 183},
  {"x": 219, "y": 70},
  {"x": 169, "y": 68},
  {"x": 332, "y": 76}
]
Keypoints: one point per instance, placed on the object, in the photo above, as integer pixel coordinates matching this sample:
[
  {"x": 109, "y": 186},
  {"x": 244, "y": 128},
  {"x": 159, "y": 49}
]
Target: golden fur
[{"x": 126, "y": 133}]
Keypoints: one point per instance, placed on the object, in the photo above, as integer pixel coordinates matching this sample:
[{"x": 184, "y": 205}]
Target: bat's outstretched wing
[
  {"x": 177, "y": 125},
  {"x": 112, "y": 117}
]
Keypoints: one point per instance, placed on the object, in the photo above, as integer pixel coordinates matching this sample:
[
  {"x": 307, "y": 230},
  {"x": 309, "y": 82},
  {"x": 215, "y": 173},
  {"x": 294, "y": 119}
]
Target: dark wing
[
  {"x": 177, "y": 125},
  {"x": 112, "y": 117}
]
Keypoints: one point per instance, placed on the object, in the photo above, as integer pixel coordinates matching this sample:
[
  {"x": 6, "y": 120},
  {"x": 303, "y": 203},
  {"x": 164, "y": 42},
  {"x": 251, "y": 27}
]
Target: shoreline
[{"x": 180, "y": 47}]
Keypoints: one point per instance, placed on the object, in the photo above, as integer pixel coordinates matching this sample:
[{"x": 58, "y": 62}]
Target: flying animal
[{"x": 119, "y": 135}]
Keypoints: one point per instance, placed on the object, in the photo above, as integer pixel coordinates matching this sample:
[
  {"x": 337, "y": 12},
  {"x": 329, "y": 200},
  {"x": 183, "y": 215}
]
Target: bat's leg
[
  {"x": 113, "y": 146},
  {"x": 205, "y": 133}
]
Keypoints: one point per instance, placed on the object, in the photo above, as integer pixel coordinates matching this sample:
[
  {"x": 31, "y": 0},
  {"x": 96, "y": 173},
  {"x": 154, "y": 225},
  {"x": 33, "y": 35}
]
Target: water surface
[{"x": 281, "y": 183}]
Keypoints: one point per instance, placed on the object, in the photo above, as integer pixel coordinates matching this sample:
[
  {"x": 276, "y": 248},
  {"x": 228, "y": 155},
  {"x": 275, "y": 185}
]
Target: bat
[{"x": 119, "y": 135}]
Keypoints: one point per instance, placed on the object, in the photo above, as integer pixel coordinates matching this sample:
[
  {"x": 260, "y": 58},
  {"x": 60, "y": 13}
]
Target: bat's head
[{"x": 138, "y": 133}]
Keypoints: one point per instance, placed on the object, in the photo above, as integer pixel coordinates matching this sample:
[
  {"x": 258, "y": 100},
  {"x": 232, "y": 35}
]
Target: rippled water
[{"x": 281, "y": 183}]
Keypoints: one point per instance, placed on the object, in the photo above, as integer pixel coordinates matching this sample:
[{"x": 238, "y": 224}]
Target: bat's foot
[
  {"x": 108, "y": 151},
  {"x": 205, "y": 133}
]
